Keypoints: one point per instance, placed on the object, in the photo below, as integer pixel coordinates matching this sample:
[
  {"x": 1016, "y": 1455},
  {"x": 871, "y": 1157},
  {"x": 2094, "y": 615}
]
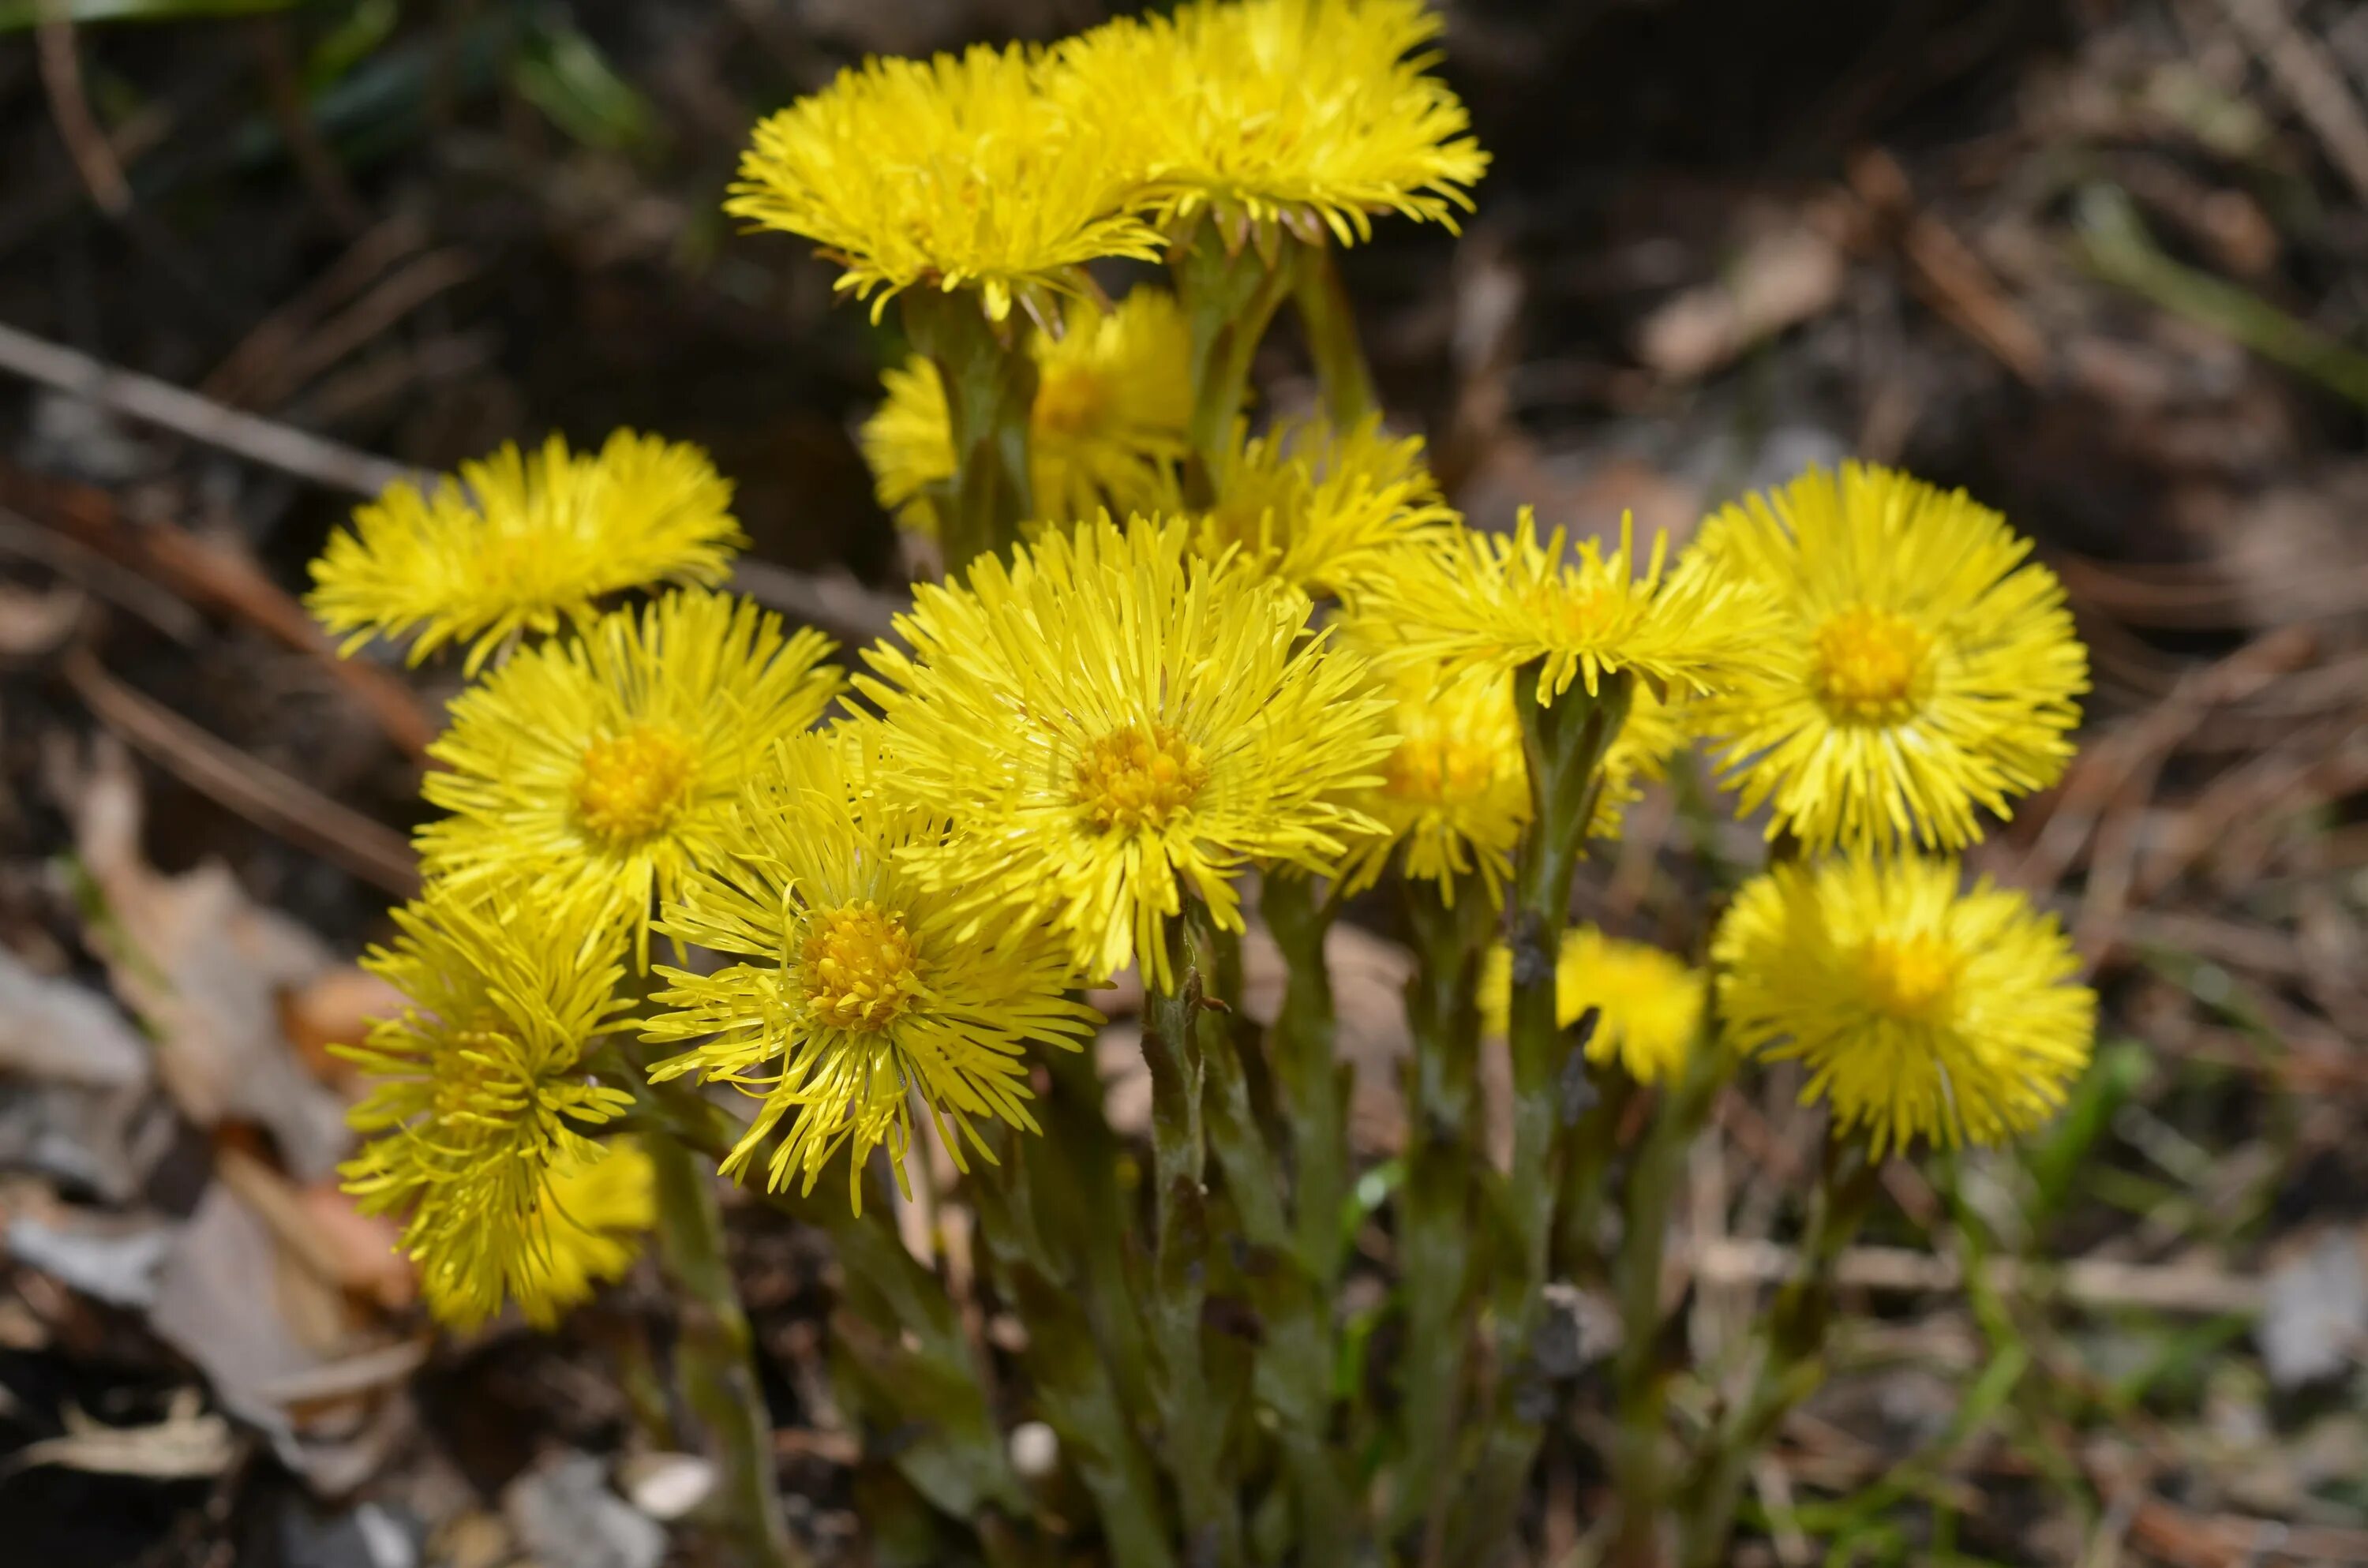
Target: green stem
[
  {"x": 715, "y": 1354},
  {"x": 1329, "y": 322},
  {"x": 1587, "y": 1174},
  {"x": 1639, "y": 1378},
  {"x": 1229, "y": 292},
  {"x": 990, "y": 384},
  {"x": 1792, "y": 1363},
  {"x": 1435, "y": 1212},
  {"x": 1189, "y": 1413},
  {"x": 1563, "y": 743},
  {"x": 1314, "y": 1086}
]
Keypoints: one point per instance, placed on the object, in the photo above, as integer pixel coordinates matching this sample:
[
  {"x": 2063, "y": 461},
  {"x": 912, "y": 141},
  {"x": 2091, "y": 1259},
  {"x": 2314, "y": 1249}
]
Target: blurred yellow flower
[
  {"x": 1318, "y": 508},
  {"x": 1299, "y": 112},
  {"x": 860, "y": 990},
  {"x": 1923, "y": 665},
  {"x": 1920, "y": 1011},
  {"x": 1454, "y": 794},
  {"x": 1649, "y": 1000},
  {"x": 955, "y": 172},
  {"x": 1113, "y": 395},
  {"x": 524, "y": 542},
  {"x": 1110, "y": 724},
  {"x": 611, "y": 764},
  {"x": 481, "y": 1100},
  {"x": 1482, "y": 601},
  {"x": 594, "y": 1217}
]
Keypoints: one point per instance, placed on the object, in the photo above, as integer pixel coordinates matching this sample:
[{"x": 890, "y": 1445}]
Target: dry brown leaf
[{"x": 1782, "y": 279}]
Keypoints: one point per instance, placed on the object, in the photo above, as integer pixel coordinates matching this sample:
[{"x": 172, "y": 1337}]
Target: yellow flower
[
  {"x": 1113, "y": 396},
  {"x": 1318, "y": 508},
  {"x": 610, "y": 763},
  {"x": 1110, "y": 724},
  {"x": 522, "y": 544},
  {"x": 594, "y": 1217},
  {"x": 955, "y": 172},
  {"x": 1482, "y": 601},
  {"x": 1650, "y": 1000},
  {"x": 1923, "y": 666},
  {"x": 1653, "y": 733},
  {"x": 1292, "y": 110},
  {"x": 482, "y": 1100},
  {"x": 1918, "y": 1011},
  {"x": 1456, "y": 792},
  {"x": 864, "y": 989}
]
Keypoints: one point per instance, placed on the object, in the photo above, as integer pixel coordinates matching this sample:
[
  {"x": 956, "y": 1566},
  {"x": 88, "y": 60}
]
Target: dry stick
[
  {"x": 2311, "y": 82},
  {"x": 94, "y": 156},
  {"x": 306, "y": 456},
  {"x": 256, "y": 791}
]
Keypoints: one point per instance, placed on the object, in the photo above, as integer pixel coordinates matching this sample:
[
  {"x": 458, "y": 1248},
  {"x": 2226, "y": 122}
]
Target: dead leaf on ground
[
  {"x": 188, "y": 1444},
  {"x": 1782, "y": 278},
  {"x": 206, "y": 967}
]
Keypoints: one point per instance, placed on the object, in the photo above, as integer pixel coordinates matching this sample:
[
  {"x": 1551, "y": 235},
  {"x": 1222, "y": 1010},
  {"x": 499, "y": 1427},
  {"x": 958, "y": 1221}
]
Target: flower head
[
  {"x": 594, "y": 1215},
  {"x": 1919, "y": 1010},
  {"x": 1109, "y": 724},
  {"x": 1923, "y": 665},
  {"x": 1300, "y": 111},
  {"x": 481, "y": 1102},
  {"x": 1482, "y": 601},
  {"x": 955, "y": 172},
  {"x": 1319, "y": 507},
  {"x": 521, "y": 542},
  {"x": 1648, "y": 1001},
  {"x": 1454, "y": 794},
  {"x": 859, "y": 989},
  {"x": 1113, "y": 396},
  {"x": 611, "y": 764}
]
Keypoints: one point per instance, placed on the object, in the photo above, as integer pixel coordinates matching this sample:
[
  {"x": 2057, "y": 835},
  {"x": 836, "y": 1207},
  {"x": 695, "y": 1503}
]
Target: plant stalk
[
  {"x": 1230, "y": 289},
  {"x": 1314, "y": 1086},
  {"x": 1330, "y": 323},
  {"x": 990, "y": 384}
]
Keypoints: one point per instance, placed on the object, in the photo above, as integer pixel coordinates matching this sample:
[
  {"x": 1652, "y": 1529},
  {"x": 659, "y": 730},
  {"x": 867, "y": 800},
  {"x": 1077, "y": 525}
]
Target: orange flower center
[
  {"x": 1871, "y": 663},
  {"x": 633, "y": 785},
  {"x": 1439, "y": 769},
  {"x": 1135, "y": 777},
  {"x": 1908, "y": 977},
  {"x": 860, "y": 967},
  {"x": 1068, "y": 400}
]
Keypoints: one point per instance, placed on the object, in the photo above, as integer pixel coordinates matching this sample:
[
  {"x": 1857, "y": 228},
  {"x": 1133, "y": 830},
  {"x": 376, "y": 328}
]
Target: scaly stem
[
  {"x": 1188, "y": 1411},
  {"x": 1793, "y": 1362},
  {"x": 1435, "y": 1209},
  {"x": 1329, "y": 322},
  {"x": 1640, "y": 1379},
  {"x": 1563, "y": 743},
  {"x": 990, "y": 384},
  {"x": 714, "y": 1356},
  {"x": 1229, "y": 289},
  {"x": 1587, "y": 1174},
  {"x": 1314, "y": 1086}
]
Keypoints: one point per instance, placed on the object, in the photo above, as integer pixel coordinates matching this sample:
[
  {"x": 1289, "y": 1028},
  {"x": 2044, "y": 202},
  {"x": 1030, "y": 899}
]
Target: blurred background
[{"x": 2104, "y": 263}]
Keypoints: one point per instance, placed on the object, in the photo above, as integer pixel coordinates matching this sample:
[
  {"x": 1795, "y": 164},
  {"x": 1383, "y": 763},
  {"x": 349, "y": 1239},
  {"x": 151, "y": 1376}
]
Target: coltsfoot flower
[
  {"x": 1113, "y": 399},
  {"x": 594, "y": 1217},
  {"x": 1303, "y": 112},
  {"x": 482, "y": 1103},
  {"x": 520, "y": 543},
  {"x": 611, "y": 764},
  {"x": 1923, "y": 666},
  {"x": 1649, "y": 1000},
  {"x": 1454, "y": 795},
  {"x": 1110, "y": 724},
  {"x": 950, "y": 173},
  {"x": 1482, "y": 601},
  {"x": 1319, "y": 507},
  {"x": 859, "y": 989},
  {"x": 1920, "y": 1011}
]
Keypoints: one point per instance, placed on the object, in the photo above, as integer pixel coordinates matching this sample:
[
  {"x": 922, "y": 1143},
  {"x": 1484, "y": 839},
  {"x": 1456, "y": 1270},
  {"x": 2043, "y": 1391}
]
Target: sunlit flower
[
  {"x": 593, "y": 1218},
  {"x": 524, "y": 542},
  {"x": 1112, "y": 724},
  {"x": 861, "y": 989},
  {"x": 1316, "y": 506},
  {"x": 1648, "y": 1001},
  {"x": 1920, "y": 1011},
  {"x": 1454, "y": 795},
  {"x": 610, "y": 763},
  {"x": 481, "y": 1100},
  {"x": 1484, "y": 601},
  {"x": 1113, "y": 396},
  {"x": 955, "y": 172},
  {"x": 1300, "y": 111},
  {"x": 1923, "y": 667}
]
